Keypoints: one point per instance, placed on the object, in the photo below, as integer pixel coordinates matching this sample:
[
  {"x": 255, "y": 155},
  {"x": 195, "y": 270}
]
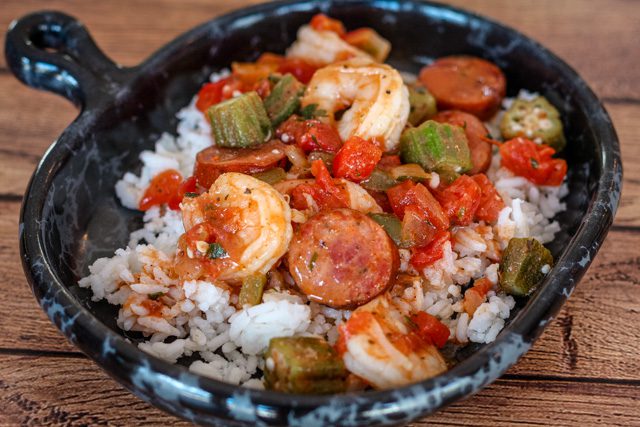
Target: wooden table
[{"x": 584, "y": 370}]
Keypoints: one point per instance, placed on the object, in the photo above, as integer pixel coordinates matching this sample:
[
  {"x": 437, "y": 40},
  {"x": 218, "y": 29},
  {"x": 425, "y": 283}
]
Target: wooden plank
[
  {"x": 128, "y": 31},
  {"x": 534, "y": 402},
  {"x": 589, "y": 338},
  {"x": 30, "y": 121},
  {"x": 24, "y": 324},
  {"x": 73, "y": 392},
  {"x": 570, "y": 30},
  {"x": 57, "y": 399},
  {"x": 625, "y": 120}
]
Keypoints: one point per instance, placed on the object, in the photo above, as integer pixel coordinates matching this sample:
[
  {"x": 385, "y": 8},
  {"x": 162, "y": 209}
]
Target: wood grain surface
[{"x": 584, "y": 370}]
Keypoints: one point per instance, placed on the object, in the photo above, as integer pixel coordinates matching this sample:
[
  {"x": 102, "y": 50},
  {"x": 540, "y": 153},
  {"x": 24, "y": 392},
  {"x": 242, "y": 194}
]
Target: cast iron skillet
[{"x": 70, "y": 215}]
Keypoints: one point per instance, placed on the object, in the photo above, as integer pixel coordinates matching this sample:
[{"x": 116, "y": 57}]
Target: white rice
[{"x": 200, "y": 317}]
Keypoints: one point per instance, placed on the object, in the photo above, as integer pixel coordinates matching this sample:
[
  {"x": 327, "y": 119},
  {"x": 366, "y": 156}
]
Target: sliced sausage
[
  {"x": 214, "y": 161},
  {"x": 475, "y": 131},
  {"x": 465, "y": 83},
  {"x": 342, "y": 258}
]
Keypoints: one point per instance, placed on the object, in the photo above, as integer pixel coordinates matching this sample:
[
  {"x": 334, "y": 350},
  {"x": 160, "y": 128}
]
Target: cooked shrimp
[
  {"x": 378, "y": 346},
  {"x": 248, "y": 218},
  {"x": 322, "y": 47},
  {"x": 375, "y": 94}
]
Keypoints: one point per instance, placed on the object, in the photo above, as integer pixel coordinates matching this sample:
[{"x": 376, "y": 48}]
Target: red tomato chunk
[
  {"x": 356, "y": 159},
  {"x": 431, "y": 329},
  {"x": 425, "y": 256},
  {"x": 324, "y": 191},
  {"x": 533, "y": 161},
  {"x": 214, "y": 93},
  {"x": 409, "y": 193},
  {"x": 299, "y": 68},
  {"x": 310, "y": 135},
  {"x": 460, "y": 200},
  {"x": 490, "y": 202},
  {"x": 163, "y": 188}
]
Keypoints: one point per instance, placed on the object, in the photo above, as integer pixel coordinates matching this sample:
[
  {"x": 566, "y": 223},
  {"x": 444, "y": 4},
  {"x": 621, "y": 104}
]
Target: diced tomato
[
  {"x": 356, "y": 159},
  {"x": 389, "y": 161},
  {"x": 416, "y": 231},
  {"x": 324, "y": 190},
  {"x": 409, "y": 193},
  {"x": 213, "y": 93},
  {"x": 320, "y": 136},
  {"x": 490, "y": 202},
  {"x": 322, "y": 22},
  {"x": 250, "y": 74},
  {"x": 299, "y": 196},
  {"x": 533, "y": 161},
  {"x": 204, "y": 231},
  {"x": 299, "y": 68},
  {"x": 328, "y": 188},
  {"x": 163, "y": 188},
  {"x": 431, "y": 329},
  {"x": 310, "y": 135},
  {"x": 460, "y": 200},
  {"x": 427, "y": 255},
  {"x": 270, "y": 58},
  {"x": 476, "y": 295},
  {"x": 190, "y": 185}
]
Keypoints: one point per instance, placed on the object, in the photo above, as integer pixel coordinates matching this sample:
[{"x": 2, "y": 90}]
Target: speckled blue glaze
[{"x": 70, "y": 216}]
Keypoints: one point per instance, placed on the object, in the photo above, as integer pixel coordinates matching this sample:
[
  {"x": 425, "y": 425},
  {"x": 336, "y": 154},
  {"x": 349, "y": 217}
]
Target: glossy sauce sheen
[{"x": 342, "y": 258}]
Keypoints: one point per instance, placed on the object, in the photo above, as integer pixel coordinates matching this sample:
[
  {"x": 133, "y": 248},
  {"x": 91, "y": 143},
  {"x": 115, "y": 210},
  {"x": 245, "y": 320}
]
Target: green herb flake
[
  {"x": 216, "y": 251},
  {"x": 154, "y": 296},
  {"x": 410, "y": 322},
  {"x": 312, "y": 111},
  {"x": 312, "y": 262},
  {"x": 534, "y": 163},
  {"x": 274, "y": 79},
  {"x": 191, "y": 195},
  {"x": 461, "y": 212}
]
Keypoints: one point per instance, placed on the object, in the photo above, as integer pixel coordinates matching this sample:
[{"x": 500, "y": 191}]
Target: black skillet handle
[{"x": 54, "y": 51}]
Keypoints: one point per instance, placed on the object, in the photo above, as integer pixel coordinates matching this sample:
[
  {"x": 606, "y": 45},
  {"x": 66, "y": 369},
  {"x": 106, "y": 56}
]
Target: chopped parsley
[
  {"x": 312, "y": 111},
  {"x": 154, "y": 296},
  {"x": 312, "y": 262},
  {"x": 461, "y": 212},
  {"x": 190, "y": 194},
  {"x": 216, "y": 251},
  {"x": 411, "y": 323},
  {"x": 534, "y": 163}
]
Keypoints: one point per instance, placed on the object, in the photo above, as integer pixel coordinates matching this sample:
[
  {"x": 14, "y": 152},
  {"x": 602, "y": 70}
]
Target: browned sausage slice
[
  {"x": 214, "y": 161},
  {"x": 342, "y": 258},
  {"x": 475, "y": 131},
  {"x": 465, "y": 83}
]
